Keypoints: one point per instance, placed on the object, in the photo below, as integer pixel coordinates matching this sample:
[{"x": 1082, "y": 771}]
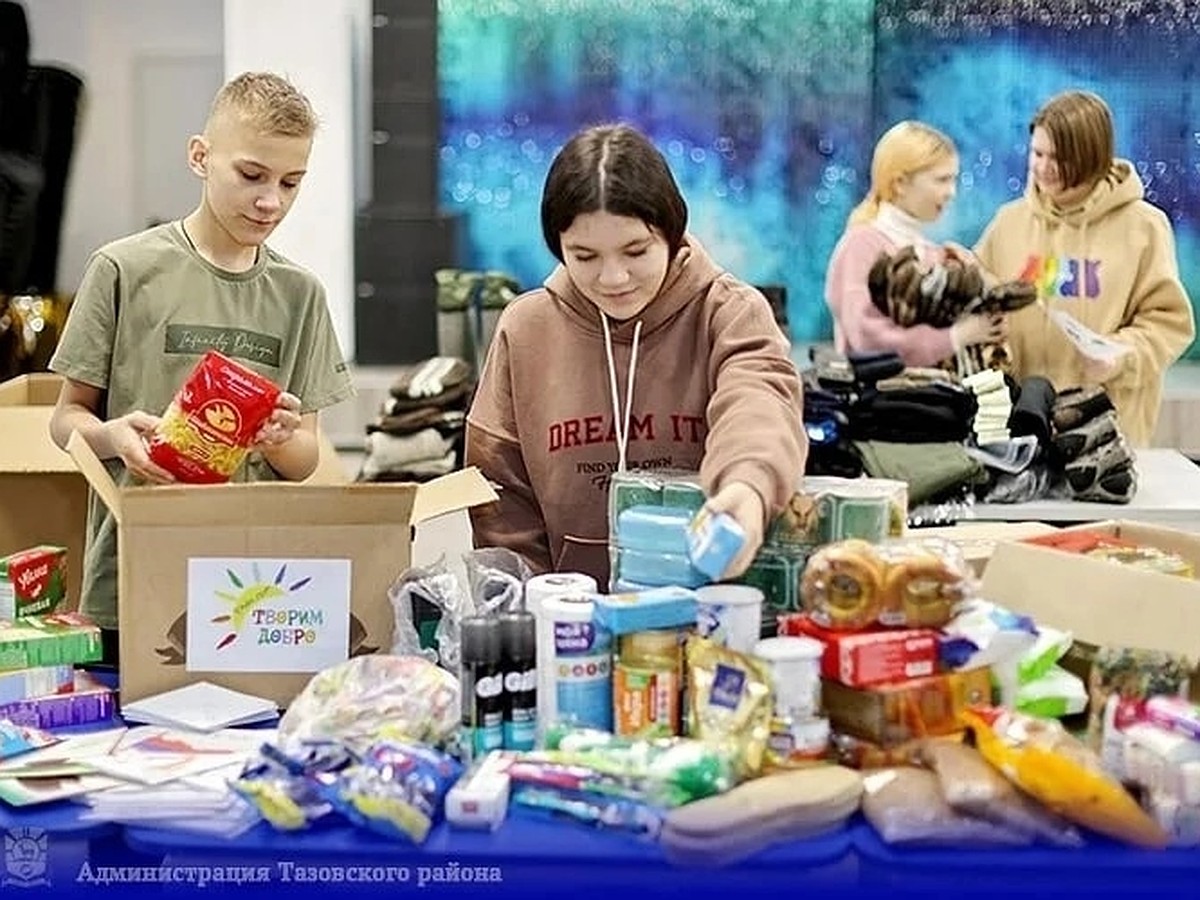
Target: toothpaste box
[{"x": 32, "y": 582}]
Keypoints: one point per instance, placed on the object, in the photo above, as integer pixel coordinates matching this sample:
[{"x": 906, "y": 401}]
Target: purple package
[{"x": 90, "y": 702}]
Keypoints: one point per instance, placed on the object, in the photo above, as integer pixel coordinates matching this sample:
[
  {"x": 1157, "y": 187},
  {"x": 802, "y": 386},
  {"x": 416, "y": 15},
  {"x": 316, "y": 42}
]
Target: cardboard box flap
[
  {"x": 1099, "y": 602},
  {"x": 26, "y": 446},
  {"x": 266, "y": 504},
  {"x": 97, "y": 476},
  {"x": 37, "y": 389},
  {"x": 458, "y": 490}
]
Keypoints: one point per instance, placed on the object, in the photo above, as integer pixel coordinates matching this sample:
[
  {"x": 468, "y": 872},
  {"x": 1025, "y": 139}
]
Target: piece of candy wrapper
[{"x": 713, "y": 542}]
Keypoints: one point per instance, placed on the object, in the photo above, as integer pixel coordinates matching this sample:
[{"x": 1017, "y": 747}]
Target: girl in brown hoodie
[{"x": 638, "y": 352}]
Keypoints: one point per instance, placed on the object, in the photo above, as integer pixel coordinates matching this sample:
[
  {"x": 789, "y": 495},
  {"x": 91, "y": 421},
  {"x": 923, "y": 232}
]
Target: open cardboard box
[
  {"x": 43, "y": 498},
  {"x": 258, "y": 586},
  {"x": 36, "y": 475},
  {"x": 978, "y": 540},
  {"x": 1103, "y": 603}
]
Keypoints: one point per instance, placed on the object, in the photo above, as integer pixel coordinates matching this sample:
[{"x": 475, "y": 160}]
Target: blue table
[
  {"x": 530, "y": 854},
  {"x": 1102, "y": 868}
]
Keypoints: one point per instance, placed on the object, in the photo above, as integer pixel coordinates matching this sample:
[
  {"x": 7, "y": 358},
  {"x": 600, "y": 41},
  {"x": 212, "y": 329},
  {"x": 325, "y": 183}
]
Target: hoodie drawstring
[{"x": 621, "y": 420}]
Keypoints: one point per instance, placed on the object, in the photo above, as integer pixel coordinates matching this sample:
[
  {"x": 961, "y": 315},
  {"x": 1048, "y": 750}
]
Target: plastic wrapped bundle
[{"x": 372, "y": 698}]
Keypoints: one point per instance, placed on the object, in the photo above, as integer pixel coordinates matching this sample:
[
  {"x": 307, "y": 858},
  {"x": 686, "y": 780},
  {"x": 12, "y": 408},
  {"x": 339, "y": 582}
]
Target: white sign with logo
[{"x": 267, "y": 615}]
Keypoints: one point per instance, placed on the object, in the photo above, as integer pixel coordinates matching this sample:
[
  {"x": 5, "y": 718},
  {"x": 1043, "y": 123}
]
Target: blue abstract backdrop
[{"x": 768, "y": 110}]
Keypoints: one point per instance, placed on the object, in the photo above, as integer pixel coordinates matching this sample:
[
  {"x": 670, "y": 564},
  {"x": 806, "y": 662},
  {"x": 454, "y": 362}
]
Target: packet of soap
[
  {"x": 713, "y": 540},
  {"x": 731, "y": 703}
]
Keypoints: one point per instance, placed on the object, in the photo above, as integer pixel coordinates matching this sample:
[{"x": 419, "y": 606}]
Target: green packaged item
[
  {"x": 777, "y": 576},
  {"x": 683, "y": 495},
  {"x": 662, "y": 487},
  {"x": 1055, "y": 694},
  {"x": 669, "y": 770},
  {"x": 56, "y": 640}
]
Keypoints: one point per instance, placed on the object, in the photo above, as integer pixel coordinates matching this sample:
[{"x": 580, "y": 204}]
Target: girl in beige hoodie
[
  {"x": 1098, "y": 251},
  {"x": 638, "y": 352}
]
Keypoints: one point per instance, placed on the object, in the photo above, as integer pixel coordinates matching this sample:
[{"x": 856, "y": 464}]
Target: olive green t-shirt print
[{"x": 236, "y": 343}]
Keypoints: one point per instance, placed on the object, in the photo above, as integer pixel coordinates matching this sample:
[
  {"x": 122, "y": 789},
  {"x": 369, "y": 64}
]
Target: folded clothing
[
  {"x": 1032, "y": 410},
  {"x": 1075, "y": 442},
  {"x": 447, "y": 421},
  {"x": 1075, "y": 406},
  {"x": 430, "y": 378}
]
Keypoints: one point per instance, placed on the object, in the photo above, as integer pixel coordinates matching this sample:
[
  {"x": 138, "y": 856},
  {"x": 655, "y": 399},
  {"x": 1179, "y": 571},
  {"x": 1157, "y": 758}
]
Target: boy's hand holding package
[
  {"x": 281, "y": 425},
  {"x": 128, "y": 436}
]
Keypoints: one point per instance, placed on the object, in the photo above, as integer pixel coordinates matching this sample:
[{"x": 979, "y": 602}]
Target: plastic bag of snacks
[
  {"x": 397, "y": 790},
  {"x": 374, "y": 697},
  {"x": 1043, "y": 760},
  {"x": 908, "y": 582},
  {"x": 284, "y": 787},
  {"x": 208, "y": 428}
]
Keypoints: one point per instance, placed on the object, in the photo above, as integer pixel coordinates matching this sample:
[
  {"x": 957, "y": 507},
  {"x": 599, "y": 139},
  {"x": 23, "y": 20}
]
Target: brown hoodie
[
  {"x": 715, "y": 390},
  {"x": 1110, "y": 263}
]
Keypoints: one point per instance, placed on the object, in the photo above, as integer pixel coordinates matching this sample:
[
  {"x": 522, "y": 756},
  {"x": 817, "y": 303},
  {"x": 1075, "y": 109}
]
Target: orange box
[{"x": 645, "y": 700}]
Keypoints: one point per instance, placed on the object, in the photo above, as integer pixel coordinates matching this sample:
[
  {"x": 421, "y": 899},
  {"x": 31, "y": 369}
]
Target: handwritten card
[{"x": 267, "y": 615}]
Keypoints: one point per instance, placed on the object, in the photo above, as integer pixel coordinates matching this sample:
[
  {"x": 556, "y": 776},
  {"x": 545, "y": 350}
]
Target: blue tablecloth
[{"x": 520, "y": 839}]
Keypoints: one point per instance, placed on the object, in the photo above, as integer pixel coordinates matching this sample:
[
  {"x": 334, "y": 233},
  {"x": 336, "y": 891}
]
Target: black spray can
[
  {"x": 482, "y": 686},
  {"x": 518, "y": 639}
]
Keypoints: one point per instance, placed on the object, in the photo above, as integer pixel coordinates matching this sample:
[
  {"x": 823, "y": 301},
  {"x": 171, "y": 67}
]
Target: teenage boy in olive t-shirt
[{"x": 150, "y": 305}]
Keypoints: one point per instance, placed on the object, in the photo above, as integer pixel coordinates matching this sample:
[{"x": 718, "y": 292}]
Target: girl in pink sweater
[{"x": 913, "y": 174}]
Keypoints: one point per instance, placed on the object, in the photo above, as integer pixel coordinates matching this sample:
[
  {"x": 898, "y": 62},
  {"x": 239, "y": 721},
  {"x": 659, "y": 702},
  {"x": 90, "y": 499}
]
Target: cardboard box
[
  {"x": 1103, "y": 603},
  {"x": 978, "y": 540},
  {"x": 297, "y": 573},
  {"x": 36, "y": 475}
]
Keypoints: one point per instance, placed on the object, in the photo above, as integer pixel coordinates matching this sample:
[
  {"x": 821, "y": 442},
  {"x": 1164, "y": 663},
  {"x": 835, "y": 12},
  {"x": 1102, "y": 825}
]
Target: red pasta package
[{"x": 207, "y": 430}]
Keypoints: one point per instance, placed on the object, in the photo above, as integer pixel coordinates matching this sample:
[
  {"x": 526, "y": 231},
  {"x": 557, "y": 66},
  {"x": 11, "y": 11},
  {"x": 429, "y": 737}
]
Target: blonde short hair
[
  {"x": 267, "y": 101},
  {"x": 904, "y": 149}
]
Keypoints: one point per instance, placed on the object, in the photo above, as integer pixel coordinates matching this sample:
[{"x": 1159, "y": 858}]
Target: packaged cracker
[{"x": 208, "y": 429}]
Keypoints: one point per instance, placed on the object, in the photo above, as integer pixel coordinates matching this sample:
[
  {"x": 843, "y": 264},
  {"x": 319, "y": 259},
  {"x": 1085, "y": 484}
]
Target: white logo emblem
[{"x": 25, "y": 858}]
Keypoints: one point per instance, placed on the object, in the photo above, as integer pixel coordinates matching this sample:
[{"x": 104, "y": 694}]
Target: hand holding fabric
[{"x": 979, "y": 328}]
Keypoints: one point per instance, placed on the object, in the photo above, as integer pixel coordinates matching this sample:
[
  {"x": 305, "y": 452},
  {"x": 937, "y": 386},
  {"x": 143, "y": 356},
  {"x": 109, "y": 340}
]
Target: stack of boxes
[{"x": 41, "y": 645}]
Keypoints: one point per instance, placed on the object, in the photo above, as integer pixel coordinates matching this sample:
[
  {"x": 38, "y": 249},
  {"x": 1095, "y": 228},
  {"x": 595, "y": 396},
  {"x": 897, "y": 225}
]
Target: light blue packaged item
[
  {"x": 657, "y": 569},
  {"x": 664, "y": 607},
  {"x": 629, "y": 587},
  {"x": 654, "y": 529},
  {"x": 713, "y": 541}
]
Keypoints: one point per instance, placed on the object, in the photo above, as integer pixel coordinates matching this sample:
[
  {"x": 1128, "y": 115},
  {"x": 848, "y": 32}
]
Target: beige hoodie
[
  {"x": 714, "y": 390},
  {"x": 1110, "y": 263}
]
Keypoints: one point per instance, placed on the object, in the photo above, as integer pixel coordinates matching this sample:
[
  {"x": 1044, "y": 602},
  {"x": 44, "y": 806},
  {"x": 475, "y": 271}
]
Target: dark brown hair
[
  {"x": 614, "y": 169},
  {"x": 1080, "y": 125}
]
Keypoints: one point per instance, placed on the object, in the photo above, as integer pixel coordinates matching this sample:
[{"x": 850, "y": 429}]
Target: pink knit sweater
[{"x": 859, "y": 327}]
